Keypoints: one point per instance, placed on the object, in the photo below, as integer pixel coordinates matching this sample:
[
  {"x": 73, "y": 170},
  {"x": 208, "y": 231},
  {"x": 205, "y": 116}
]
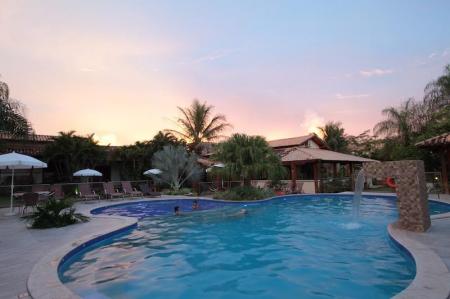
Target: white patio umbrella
[
  {"x": 87, "y": 172},
  {"x": 218, "y": 165},
  {"x": 155, "y": 171},
  {"x": 15, "y": 161}
]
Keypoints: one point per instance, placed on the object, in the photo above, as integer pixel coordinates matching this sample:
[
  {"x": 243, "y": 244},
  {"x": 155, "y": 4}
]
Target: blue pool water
[{"x": 288, "y": 247}]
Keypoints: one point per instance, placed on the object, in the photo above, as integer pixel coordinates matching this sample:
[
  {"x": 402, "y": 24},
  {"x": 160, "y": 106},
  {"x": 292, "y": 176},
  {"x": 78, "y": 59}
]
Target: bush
[
  {"x": 182, "y": 191},
  {"x": 244, "y": 193},
  {"x": 56, "y": 213}
]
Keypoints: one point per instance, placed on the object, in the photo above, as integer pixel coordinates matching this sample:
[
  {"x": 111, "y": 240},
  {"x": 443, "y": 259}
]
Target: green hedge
[{"x": 244, "y": 193}]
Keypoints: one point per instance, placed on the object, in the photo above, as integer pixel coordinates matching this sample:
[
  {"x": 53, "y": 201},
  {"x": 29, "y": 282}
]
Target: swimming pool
[{"x": 287, "y": 247}]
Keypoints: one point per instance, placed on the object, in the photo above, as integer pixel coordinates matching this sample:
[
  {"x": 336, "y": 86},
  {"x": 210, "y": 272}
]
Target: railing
[
  {"x": 336, "y": 184},
  {"x": 211, "y": 187},
  {"x": 434, "y": 182}
]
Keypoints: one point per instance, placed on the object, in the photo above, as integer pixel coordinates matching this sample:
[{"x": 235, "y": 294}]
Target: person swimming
[
  {"x": 240, "y": 213},
  {"x": 176, "y": 211},
  {"x": 195, "y": 205}
]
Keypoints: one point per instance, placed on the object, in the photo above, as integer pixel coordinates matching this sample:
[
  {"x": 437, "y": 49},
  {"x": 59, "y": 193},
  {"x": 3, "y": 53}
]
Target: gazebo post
[
  {"x": 293, "y": 176},
  {"x": 351, "y": 176},
  {"x": 316, "y": 175},
  {"x": 335, "y": 169},
  {"x": 444, "y": 165}
]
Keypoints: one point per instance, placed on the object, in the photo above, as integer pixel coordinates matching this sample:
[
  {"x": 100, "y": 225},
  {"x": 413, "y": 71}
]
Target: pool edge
[
  {"x": 432, "y": 276},
  {"x": 44, "y": 282}
]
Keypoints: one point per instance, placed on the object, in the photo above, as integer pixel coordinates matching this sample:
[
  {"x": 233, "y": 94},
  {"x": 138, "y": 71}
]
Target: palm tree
[
  {"x": 70, "y": 152},
  {"x": 334, "y": 135},
  {"x": 397, "y": 122},
  {"x": 197, "y": 124},
  {"x": 12, "y": 119},
  {"x": 136, "y": 158},
  {"x": 248, "y": 157}
]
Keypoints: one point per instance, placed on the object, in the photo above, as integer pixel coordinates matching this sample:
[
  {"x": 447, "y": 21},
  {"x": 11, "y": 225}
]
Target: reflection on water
[{"x": 292, "y": 248}]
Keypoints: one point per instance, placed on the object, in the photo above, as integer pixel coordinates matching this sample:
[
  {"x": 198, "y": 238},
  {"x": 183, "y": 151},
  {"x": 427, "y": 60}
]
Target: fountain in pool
[{"x": 359, "y": 186}]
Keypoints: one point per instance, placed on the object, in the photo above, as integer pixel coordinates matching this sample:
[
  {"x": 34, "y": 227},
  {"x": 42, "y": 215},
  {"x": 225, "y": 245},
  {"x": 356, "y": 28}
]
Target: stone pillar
[{"x": 412, "y": 198}]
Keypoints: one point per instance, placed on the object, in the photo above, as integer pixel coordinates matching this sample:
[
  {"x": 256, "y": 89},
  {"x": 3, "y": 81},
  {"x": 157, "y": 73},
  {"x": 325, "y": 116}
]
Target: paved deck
[{"x": 21, "y": 247}]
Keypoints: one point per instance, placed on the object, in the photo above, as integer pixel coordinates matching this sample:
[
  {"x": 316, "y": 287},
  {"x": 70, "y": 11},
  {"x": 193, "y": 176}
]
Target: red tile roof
[
  {"x": 437, "y": 141},
  {"x": 296, "y": 141}
]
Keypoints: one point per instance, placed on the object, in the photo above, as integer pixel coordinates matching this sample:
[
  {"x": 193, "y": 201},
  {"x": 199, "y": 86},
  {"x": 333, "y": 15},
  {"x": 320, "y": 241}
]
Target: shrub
[
  {"x": 182, "y": 191},
  {"x": 244, "y": 193},
  {"x": 55, "y": 213},
  {"x": 177, "y": 166}
]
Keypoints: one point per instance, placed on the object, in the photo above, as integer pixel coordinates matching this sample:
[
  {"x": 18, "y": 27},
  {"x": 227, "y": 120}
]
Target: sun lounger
[
  {"x": 86, "y": 192},
  {"x": 129, "y": 190},
  {"x": 110, "y": 192},
  {"x": 145, "y": 188}
]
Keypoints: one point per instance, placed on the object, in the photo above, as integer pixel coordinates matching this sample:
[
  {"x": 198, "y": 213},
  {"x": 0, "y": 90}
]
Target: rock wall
[{"x": 412, "y": 198}]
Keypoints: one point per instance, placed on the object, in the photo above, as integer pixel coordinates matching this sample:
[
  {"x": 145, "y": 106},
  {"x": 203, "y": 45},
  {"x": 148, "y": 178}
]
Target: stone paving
[{"x": 21, "y": 248}]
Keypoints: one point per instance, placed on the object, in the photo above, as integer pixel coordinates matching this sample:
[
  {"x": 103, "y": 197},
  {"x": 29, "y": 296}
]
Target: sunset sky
[{"x": 279, "y": 69}]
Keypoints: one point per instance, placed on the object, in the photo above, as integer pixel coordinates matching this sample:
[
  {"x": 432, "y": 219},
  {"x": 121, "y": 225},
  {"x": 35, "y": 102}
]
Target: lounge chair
[
  {"x": 145, "y": 188},
  {"x": 86, "y": 192},
  {"x": 57, "y": 192},
  {"x": 30, "y": 199},
  {"x": 129, "y": 190},
  {"x": 110, "y": 192}
]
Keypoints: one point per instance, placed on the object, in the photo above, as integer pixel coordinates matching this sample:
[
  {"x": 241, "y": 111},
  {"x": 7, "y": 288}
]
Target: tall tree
[
  {"x": 437, "y": 92},
  {"x": 334, "y": 135},
  {"x": 136, "y": 158},
  {"x": 70, "y": 152},
  {"x": 248, "y": 157},
  {"x": 197, "y": 124},
  {"x": 12, "y": 118},
  {"x": 397, "y": 123}
]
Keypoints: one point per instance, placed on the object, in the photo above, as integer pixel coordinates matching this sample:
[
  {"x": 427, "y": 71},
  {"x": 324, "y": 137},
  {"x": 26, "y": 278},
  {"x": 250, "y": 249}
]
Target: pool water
[{"x": 288, "y": 247}]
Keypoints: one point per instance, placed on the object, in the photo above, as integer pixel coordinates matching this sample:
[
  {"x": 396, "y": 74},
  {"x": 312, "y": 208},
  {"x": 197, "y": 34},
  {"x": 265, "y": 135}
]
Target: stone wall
[{"x": 412, "y": 198}]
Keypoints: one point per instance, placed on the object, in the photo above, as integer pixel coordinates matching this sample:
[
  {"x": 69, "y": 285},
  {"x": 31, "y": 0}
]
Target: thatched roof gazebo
[
  {"x": 441, "y": 145},
  {"x": 305, "y": 156}
]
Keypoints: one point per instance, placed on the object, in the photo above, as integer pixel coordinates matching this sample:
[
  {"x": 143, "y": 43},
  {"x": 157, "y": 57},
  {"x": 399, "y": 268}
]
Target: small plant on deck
[{"x": 55, "y": 213}]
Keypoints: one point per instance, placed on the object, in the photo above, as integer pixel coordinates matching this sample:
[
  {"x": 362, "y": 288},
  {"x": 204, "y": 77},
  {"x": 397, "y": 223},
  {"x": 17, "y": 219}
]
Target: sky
[{"x": 279, "y": 69}]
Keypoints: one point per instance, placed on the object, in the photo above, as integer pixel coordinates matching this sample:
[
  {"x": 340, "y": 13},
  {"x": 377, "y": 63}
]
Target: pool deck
[{"x": 25, "y": 251}]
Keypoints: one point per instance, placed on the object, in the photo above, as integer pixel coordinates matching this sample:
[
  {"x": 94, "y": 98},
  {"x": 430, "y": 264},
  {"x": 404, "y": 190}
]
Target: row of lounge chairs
[{"x": 110, "y": 192}]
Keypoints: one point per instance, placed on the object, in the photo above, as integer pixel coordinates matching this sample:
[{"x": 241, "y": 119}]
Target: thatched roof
[{"x": 311, "y": 154}]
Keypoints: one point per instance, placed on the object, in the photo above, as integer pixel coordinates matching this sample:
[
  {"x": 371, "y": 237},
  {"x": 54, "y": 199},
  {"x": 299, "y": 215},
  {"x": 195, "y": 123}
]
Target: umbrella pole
[{"x": 11, "y": 212}]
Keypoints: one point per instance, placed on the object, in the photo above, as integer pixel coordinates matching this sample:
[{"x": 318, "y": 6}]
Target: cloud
[
  {"x": 432, "y": 55},
  {"x": 375, "y": 72},
  {"x": 340, "y": 96},
  {"x": 446, "y": 52},
  {"x": 311, "y": 120}
]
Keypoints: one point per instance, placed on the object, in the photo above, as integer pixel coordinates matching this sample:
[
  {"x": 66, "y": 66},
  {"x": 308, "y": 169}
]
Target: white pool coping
[{"x": 432, "y": 278}]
